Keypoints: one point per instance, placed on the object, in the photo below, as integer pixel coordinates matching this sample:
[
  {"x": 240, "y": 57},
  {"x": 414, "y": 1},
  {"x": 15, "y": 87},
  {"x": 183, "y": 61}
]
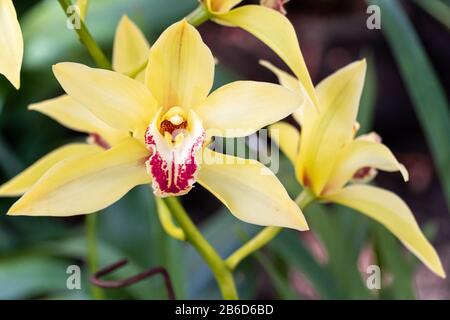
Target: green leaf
[
  {"x": 392, "y": 261},
  {"x": 342, "y": 260},
  {"x": 278, "y": 279},
  {"x": 437, "y": 9},
  {"x": 32, "y": 276},
  {"x": 422, "y": 83},
  {"x": 289, "y": 247},
  {"x": 369, "y": 98},
  {"x": 9, "y": 163},
  {"x": 223, "y": 231}
]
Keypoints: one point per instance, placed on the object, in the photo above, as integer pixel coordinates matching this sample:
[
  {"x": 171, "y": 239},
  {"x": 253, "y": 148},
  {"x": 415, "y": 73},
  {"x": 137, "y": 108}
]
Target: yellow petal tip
[
  {"x": 404, "y": 172},
  {"x": 33, "y": 107},
  {"x": 300, "y": 223},
  {"x": 9, "y": 191},
  {"x": 303, "y": 226},
  {"x": 58, "y": 67},
  {"x": 13, "y": 211},
  {"x": 438, "y": 270},
  {"x": 124, "y": 18},
  {"x": 15, "y": 82}
]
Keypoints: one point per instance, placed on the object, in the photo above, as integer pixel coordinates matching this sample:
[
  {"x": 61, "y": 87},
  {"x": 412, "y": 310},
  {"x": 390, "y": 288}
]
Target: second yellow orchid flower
[{"x": 330, "y": 161}]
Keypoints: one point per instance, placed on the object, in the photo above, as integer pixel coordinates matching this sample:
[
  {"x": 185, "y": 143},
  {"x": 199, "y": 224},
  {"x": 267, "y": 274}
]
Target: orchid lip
[{"x": 174, "y": 140}]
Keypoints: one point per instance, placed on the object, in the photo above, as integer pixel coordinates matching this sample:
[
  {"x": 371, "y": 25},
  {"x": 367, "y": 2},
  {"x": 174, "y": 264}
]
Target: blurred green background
[{"x": 405, "y": 101}]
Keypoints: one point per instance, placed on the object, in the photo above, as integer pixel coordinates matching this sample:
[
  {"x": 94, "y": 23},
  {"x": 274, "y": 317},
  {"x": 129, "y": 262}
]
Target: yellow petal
[
  {"x": 243, "y": 107},
  {"x": 389, "y": 210},
  {"x": 11, "y": 43},
  {"x": 131, "y": 48},
  {"x": 221, "y": 6},
  {"x": 119, "y": 101},
  {"x": 285, "y": 79},
  {"x": 250, "y": 190},
  {"x": 359, "y": 154},
  {"x": 339, "y": 97},
  {"x": 305, "y": 114},
  {"x": 180, "y": 69},
  {"x": 287, "y": 137},
  {"x": 277, "y": 32},
  {"x": 25, "y": 180},
  {"x": 75, "y": 116},
  {"x": 88, "y": 184}
]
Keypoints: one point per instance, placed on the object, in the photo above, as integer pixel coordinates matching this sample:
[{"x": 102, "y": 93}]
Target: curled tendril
[{"x": 112, "y": 284}]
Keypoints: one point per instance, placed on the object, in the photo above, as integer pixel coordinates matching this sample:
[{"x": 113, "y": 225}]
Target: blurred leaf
[
  {"x": 288, "y": 246},
  {"x": 437, "y": 9},
  {"x": 353, "y": 226},
  {"x": 222, "y": 230},
  {"x": 31, "y": 276},
  {"x": 279, "y": 280},
  {"x": 392, "y": 260},
  {"x": 423, "y": 85},
  {"x": 367, "y": 106},
  {"x": 223, "y": 75},
  {"x": 8, "y": 161},
  {"x": 49, "y": 40},
  {"x": 69, "y": 295},
  {"x": 342, "y": 261}
]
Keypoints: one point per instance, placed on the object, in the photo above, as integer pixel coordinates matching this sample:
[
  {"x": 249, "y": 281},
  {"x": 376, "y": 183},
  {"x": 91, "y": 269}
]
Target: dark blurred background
[{"x": 323, "y": 263}]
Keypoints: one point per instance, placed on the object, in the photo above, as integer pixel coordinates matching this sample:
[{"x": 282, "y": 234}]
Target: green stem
[
  {"x": 165, "y": 218},
  {"x": 264, "y": 236},
  {"x": 86, "y": 38},
  {"x": 92, "y": 253},
  {"x": 223, "y": 276},
  {"x": 199, "y": 16}
]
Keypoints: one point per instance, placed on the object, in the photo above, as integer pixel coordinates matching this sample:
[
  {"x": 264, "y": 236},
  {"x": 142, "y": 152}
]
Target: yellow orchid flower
[
  {"x": 130, "y": 49},
  {"x": 167, "y": 120},
  {"x": 332, "y": 163},
  {"x": 269, "y": 26},
  {"x": 11, "y": 43}
]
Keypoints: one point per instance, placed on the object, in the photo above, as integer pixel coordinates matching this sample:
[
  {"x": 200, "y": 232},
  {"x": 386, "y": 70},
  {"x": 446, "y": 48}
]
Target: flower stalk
[
  {"x": 222, "y": 274},
  {"x": 87, "y": 40},
  {"x": 198, "y": 16},
  {"x": 92, "y": 252}
]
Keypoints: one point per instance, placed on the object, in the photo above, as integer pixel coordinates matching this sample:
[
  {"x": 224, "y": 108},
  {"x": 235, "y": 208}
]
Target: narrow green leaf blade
[{"x": 422, "y": 83}]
